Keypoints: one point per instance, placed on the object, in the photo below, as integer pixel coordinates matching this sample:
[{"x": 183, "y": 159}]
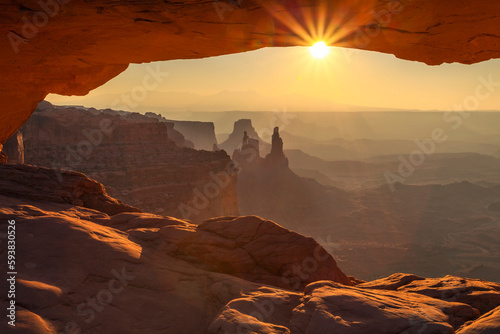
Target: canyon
[
  {"x": 370, "y": 233},
  {"x": 90, "y": 262},
  {"x": 140, "y": 159}
]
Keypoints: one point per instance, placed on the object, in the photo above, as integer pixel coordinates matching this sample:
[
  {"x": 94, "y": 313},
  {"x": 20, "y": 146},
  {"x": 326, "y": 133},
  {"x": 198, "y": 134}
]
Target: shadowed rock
[
  {"x": 51, "y": 185},
  {"x": 14, "y": 148}
]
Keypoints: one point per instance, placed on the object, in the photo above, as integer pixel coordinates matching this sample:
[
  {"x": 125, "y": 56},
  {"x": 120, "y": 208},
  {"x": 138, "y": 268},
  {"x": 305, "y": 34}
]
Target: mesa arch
[{"x": 70, "y": 47}]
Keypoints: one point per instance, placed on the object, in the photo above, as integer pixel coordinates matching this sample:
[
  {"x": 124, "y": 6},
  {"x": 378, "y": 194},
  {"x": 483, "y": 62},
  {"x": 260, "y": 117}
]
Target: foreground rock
[
  {"x": 487, "y": 324},
  {"x": 479, "y": 294},
  {"x": 80, "y": 269},
  {"x": 327, "y": 307},
  {"x": 58, "y": 186}
]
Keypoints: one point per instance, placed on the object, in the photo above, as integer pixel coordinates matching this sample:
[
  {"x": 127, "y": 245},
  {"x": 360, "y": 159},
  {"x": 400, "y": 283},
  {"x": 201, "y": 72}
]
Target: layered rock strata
[{"x": 135, "y": 158}]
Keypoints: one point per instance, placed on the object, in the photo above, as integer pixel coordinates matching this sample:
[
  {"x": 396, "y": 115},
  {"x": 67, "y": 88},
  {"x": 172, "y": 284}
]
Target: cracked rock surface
[{"x": 133, "y": 272}]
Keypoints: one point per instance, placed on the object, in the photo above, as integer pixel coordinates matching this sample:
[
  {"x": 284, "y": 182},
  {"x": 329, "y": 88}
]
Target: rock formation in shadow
[
  {"x": 276, "y": 158},
  {"x": 267, "y": 187},
  {"x": 137, "y": 157},
  {"x": 198, "y": 135}
]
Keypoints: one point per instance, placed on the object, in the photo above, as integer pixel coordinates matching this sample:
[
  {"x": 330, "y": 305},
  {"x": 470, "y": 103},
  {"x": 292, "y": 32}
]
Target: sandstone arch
[{"x": 73, "y": 46}]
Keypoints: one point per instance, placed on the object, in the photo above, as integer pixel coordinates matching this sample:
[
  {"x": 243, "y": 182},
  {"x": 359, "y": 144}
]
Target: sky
[{"x": 270, "y": 78}]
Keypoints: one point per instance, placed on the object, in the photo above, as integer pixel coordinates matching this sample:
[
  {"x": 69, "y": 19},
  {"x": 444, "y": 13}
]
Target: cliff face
[
  {"x": 201, "y": 134},
  {"x": 198, "y": 135},
  {"x": 14, "y": 148},
  {"x": 134, "y": 157}
]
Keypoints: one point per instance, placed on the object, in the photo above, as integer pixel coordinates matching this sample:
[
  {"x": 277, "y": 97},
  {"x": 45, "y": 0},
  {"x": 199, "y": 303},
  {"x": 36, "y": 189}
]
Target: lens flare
[{"x": 319, "y": 50}]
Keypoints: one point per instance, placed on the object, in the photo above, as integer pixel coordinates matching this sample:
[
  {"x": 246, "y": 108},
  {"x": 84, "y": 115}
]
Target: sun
[{"x": 319, "y": 50}]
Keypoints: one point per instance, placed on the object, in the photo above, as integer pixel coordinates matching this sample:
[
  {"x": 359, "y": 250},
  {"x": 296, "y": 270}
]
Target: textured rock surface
[
  {"x": 487, "y": 324},
  {"x": 144, "y": 280},
  {"x": 76, "y": 47},
  {"x": 483, "y": 296},
  {"x": 327, "y": 307},
  {"x": 3, "y": 156},
  {"x": 257, "y": 250},
  {"x": 43, "y": 184},
  {"x": 142, "y": 273},
  {"x": 14, "y": 148},
  {"x": 135, "y": 158}
]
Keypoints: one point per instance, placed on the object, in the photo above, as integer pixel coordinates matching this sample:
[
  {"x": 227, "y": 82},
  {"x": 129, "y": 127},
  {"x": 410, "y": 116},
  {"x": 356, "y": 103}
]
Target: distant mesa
[
  {"x": 201, "y": 134},
  {"x": 241, "y": 127},
  {"x": 198, "y": 135}
]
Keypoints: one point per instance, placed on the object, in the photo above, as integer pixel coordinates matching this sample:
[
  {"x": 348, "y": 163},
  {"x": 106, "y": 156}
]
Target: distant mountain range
[{"x": 222, "y": 101}]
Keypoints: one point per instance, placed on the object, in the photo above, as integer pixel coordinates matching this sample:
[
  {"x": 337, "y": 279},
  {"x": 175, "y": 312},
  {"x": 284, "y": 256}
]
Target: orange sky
[{"x": 290, "y": 77}]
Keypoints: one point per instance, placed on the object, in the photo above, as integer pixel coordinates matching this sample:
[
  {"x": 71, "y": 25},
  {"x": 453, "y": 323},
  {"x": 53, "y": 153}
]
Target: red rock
[
  {"x": 135, "y": 157},
  {"x": 256, "y": 250},
  {"x": 44, "y": 184},
  {"x": 327, "y": 307},
  {"x": 146, "y": 273},
  {"x": 14, "y": 148},
  {"x": 83, "y": 44},
  {"x": 487, "y": 324}
]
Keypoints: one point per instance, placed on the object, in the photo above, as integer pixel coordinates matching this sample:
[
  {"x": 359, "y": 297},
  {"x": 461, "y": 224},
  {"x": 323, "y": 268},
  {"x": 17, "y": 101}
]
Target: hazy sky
[{"x": 290, "y": 77}]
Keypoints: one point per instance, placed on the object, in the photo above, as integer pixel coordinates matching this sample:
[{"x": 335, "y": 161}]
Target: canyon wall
[
  {"x": 240, "y": 128},
  {"x": 134, "y": 157},
  {"x": 201, "y": 134},
  {"x": 14, "y": 148}
]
